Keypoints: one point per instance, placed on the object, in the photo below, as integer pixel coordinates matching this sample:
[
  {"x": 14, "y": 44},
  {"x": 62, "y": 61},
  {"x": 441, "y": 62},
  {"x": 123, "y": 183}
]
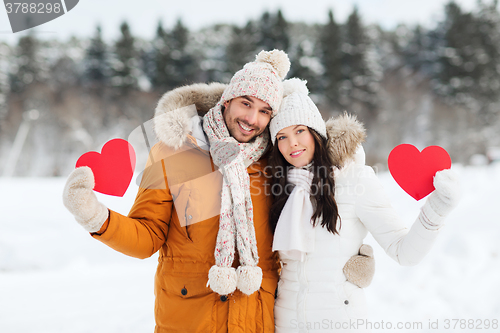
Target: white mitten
[
  {"x": 80, "y": 199},
  {"x": 360, "y": 268},
  {"x": 442, "y": 200}
]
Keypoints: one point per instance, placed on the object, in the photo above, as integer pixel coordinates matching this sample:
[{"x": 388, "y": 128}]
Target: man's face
[{"x": 246, "y": 117}]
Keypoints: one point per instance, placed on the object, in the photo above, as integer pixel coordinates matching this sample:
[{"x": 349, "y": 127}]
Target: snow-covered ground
[{"x": 55, "y": 278}]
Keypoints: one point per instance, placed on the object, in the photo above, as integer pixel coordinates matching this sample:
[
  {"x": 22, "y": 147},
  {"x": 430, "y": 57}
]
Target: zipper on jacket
[
  {"x": 303, "y": 291},
  {"x": 187, "y": 225}
]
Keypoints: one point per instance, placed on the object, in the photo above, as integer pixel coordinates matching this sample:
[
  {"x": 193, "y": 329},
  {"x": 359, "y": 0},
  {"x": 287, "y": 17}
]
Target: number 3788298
[
  {"x": 33, "y": 8},
  {"x": 476, "y": 324}
]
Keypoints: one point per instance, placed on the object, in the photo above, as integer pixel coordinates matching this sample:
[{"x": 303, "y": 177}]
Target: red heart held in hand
[
  {"x": 414, "y": 170},
  {"x": 113, "y": 168}
]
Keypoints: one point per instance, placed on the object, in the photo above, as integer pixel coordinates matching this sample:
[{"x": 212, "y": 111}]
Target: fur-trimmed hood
[
  {"x": 345, "y": 135},
  {"x": 172, "y": 122},
  {"x": 175, "y": 111}
]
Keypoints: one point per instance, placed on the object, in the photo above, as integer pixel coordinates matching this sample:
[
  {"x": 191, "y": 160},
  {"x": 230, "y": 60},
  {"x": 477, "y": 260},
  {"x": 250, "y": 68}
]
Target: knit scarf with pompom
[{"x": 236, "y": 214}]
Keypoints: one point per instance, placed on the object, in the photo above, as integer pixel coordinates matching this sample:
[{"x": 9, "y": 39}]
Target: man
[{"x": 202, "y": 203}]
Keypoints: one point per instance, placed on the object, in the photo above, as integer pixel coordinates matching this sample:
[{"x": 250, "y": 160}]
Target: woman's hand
[{"x": 441, "y": 202}]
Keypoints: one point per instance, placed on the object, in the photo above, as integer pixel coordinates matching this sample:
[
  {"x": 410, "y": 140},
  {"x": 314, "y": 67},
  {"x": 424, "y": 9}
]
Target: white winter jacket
[{"x": 313, "y": 294}]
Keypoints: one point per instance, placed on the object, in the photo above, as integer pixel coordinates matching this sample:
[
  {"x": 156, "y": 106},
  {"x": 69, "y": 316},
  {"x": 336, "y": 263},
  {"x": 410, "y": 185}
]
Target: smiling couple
[{"x": 202, "y": 205}]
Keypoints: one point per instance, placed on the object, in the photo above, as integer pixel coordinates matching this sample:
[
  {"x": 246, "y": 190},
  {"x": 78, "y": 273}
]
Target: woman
[{"x": 321, "y": 220}]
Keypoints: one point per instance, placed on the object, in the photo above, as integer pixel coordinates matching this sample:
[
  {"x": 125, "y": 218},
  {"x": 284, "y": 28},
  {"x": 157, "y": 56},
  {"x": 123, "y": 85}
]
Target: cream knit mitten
[
  {"x": 81, "y": 201},
  {"x": 359, "y": 269}
]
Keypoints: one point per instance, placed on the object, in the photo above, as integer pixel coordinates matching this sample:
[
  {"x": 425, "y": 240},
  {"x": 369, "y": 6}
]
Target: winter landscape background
[
  {"x": 54, "y": 277},
  {"x": 432, "y": 84},
  {"x": 424, "y": 85}
]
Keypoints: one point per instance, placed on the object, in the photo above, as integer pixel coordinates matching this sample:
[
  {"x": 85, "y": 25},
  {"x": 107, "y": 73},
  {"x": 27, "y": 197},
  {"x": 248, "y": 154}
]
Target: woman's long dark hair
[{"x": 322, "y": 188}]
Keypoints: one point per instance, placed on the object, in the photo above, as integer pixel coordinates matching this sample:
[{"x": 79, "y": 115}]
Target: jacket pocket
[
  {"x": 186, "y": 285},
  {"x": 267, "y": 296},
  {"x": 184, "y": 303}
]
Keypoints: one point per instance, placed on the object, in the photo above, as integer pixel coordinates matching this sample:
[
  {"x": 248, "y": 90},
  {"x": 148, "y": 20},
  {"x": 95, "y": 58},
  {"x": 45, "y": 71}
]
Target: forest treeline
[{"x": 412, "y": 84}]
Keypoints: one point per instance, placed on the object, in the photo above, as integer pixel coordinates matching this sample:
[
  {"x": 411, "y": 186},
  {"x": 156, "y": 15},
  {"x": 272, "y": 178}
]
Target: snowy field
[{"x": 55, "y": 278}]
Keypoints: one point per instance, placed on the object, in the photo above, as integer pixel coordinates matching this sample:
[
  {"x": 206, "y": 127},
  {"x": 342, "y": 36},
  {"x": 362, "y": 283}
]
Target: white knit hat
[
  {"x": 297, "y": 108},
  {"x": 261, "y": 78}
]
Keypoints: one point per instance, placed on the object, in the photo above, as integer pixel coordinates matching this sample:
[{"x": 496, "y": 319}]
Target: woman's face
[{"x": 296, "y": 144}]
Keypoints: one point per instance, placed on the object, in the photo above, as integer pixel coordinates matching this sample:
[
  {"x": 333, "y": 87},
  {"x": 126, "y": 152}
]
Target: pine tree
[
  {"x": 241, "y": 48},
  {"x": 470, "y": 58},
  {"x": 457, "y": 31},
  {"x": 304, "y": 66},
  {"x": 159, "y": 59},
  {"x": 265, "y": 25},
  {"x": 330, "y": 41},
  {"x": 183, "y": 68},
  {"x": 125, "y": 61},
  {"x": 420, "y": 53},
  {"x": 273, "y": 32},
  {"x": 96, "y": 62},
  {"x": 358, "y": 90},
  {"x": 4, "y": 78},
  {"x": 281, "y": 35},
  {"x": 209, "y": 47},
  {"x": 27, "y": 68},
  {"x": 487, "y": 58}
]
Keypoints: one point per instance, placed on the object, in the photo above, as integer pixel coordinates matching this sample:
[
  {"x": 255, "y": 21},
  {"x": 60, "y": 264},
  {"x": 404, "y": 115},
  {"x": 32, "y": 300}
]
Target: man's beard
[
  {"x": 232, "y": 126},
  {"x": 235, "y": 132}
]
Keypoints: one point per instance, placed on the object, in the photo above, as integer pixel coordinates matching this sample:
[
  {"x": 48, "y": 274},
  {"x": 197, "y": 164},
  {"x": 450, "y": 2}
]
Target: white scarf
[
  {"x": 294, "y": 234},
  {"x": 236, "y": 214}
]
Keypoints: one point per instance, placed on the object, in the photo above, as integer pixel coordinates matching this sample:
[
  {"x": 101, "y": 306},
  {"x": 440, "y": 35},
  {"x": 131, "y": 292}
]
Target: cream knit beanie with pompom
[
  {"x": 297, "y": 108},
  {"x": 261, "y": 78}
]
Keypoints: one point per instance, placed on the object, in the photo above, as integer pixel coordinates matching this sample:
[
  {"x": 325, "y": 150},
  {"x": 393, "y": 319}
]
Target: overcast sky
[{"x": 143, "y": 15}]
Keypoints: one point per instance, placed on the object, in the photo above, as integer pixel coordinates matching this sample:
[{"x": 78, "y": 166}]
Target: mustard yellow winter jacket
[{"x": 176, "y": 211}]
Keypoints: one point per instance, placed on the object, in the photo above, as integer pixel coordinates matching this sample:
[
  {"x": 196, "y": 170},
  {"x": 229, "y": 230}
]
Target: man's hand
[
  {"x": 359, "y": 269},
  {"x": 81, "y": 201}
]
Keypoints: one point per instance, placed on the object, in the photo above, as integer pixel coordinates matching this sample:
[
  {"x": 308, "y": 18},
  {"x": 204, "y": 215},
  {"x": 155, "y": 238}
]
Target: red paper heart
[
  {"x": 113, "y": 168},
  {"x": 414, "y": 170}
]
